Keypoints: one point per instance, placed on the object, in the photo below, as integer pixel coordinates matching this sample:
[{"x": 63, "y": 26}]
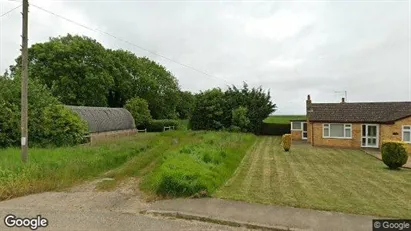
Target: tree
[
  {"x": 75, "y": 68},
  {"x": 49, "y": 122},
  {"x": 208, "y": 112},
  {"x": 138, "y": 108},
  {"x": 256, "y": 100},
  {"x": 80, "y": 71},
  {"x": 239, "y": 118},
  {"x": 185, "y": 104},
  {"x": 214, "y": 109}
]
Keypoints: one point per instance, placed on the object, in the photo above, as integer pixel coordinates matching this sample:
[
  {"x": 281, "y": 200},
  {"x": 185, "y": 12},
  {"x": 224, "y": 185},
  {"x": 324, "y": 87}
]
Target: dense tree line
[
  {"x": 77, "y": 70},
  {"x": 80, "y": 71},
  {"x": 234, "y": 109}
]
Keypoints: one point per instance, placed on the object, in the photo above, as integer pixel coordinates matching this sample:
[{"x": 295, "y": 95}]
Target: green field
[
  {"x": 199, "y": 160},
  {"x": 283, "y": 119},
  {"x": 320, "y": 178}
]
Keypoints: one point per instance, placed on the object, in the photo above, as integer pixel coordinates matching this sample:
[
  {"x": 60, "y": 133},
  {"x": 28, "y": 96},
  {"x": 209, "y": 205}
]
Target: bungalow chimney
[
  {"x": 342, "y": 100},
  {"x": 308, "y": 104}
]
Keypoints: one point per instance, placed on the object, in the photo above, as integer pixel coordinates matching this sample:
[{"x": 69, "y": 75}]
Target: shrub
[
  {"x": 158, "y": 125},
  {"x": 62, "y": 127},
  {"x": 394, "y": 154},
  {"x": 49, "y": 122},
  {"x": 138, "y": 108},
  {"x": 239, "y": 118},
  {"x": 208, "y": 113},
  {"x": 286, "y": 142},
  {"x": 213, "y": 109}
]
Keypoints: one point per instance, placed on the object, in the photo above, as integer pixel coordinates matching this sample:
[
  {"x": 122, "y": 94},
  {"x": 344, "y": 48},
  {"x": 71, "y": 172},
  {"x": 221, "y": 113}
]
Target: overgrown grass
[
  {"x": 54, "y": 169},
  {"x": 173, "y": 163},
  {"x": 320, "y": 178},
  {"x": 199, "y": 166},
  {"x": 283, "y": 119}
]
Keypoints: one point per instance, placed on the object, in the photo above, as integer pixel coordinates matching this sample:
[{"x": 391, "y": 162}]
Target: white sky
[{"x": 293, "y": 48}]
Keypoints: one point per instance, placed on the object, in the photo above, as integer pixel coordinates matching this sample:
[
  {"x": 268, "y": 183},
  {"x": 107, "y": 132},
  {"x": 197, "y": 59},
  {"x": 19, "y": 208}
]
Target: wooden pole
[{"x": 24, "y": 84}]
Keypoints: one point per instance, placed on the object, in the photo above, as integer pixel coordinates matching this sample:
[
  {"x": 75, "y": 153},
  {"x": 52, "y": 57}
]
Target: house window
[
  {"x": 296, "y": 126},
  {"x": 337, "y": 130},
  {"x": 406, "y": 133}
]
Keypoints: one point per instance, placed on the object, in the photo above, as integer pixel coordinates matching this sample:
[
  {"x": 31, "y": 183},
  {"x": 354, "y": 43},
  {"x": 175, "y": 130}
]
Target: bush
[
  {"x": 239, "y": 118},
  {"x": 213, "y": 109},
  {"x": 49, "y": 122},
  {"x": 62, "y": 127},
  {"x": 208, "y": 113},
  {"x": 158, "y": 125},
  {"x": 394, "y": 154},
  {"x": 138, "y": 108},
  {"x": 286, "y": 142}
]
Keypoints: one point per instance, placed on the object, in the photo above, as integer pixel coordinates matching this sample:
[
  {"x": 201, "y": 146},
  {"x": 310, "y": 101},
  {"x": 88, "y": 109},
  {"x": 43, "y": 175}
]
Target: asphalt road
[
  {"x": 83, "y": 208},
  {"x": 104, "y": 220}
]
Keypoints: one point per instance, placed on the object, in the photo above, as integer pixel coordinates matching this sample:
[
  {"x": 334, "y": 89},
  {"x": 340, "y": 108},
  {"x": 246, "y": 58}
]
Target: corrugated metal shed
[{"x": 104, "y": 119}]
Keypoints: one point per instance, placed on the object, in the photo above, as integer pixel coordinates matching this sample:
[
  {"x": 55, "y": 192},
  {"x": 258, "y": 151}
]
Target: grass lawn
[
  {"x": 283, "y": 119},
  {"x": 320, "y": 178}
]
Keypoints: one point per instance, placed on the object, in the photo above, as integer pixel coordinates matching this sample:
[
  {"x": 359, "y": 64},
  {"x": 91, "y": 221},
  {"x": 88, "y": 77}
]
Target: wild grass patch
[
  {"x": 200, "y": 166},
  {"x": 57, "y": 168}
]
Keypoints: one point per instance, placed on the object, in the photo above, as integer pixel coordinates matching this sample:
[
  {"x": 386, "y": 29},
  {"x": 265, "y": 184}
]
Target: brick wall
[
  {"x": 296, "y": 135},
  {"x": 316, "y": 131},
  {"x": 387, "y": 131}
]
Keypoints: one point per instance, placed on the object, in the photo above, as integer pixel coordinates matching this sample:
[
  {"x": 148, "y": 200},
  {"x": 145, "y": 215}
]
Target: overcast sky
[{"x": 293, "y": 48}]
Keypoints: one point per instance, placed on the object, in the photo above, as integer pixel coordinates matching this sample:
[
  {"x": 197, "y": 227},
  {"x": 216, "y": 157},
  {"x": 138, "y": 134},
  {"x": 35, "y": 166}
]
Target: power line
[
  {"x": 10, "y": 11},
  {"x": 132, "y": 44}
]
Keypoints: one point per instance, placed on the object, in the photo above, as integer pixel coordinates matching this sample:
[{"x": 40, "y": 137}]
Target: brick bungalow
[{"x": 354, "y": 125}]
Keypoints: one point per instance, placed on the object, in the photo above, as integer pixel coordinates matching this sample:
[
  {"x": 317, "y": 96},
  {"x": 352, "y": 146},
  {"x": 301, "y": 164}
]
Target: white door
[
  {"x": 369, "y": 135},
  {"x": 304, "y": 134}
]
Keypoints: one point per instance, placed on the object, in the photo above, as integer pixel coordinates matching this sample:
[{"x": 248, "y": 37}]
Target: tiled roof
[{"x": 377, "y": 112}]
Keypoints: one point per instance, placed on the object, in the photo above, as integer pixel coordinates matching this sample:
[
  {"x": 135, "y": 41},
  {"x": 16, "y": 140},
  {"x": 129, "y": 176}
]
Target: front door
[
  {"x": 304, "y": 135},
  {"x": 369, "y": 135}
]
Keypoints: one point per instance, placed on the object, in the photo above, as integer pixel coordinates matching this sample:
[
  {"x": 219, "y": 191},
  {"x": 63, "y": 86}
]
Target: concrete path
[
  {"x": 271, "y": 217},
  {"x": 377, "y": 154}
]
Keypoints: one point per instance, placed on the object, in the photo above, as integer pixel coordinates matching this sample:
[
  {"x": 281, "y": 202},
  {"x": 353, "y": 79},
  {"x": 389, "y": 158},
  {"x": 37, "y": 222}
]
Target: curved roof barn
[{"x": 104, "y": 119}]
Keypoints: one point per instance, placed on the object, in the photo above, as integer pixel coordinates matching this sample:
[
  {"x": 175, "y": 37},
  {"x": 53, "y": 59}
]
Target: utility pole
[{"x": 24, "y": 84}]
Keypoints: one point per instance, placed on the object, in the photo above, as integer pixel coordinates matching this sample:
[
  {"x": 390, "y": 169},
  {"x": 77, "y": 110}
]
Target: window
[
  {"x": 337, "y": 130},
  {"x": 406, "y": 133},
  {"x": 296, "y": 126}
]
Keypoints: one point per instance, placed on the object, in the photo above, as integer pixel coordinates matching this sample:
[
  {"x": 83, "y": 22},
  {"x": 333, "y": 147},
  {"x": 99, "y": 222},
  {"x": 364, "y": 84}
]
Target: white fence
[{"x": 168, "y": 128}]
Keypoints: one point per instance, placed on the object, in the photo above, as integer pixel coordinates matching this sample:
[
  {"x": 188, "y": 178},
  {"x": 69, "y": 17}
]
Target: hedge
[
  {"x": 158, "y": 125},
  {"x": 275, "y": 129}
]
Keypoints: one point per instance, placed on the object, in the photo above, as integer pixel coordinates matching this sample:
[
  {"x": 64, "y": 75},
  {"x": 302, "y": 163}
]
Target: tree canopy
[
  {"x": 238, "y": 109},
  {"x": 80, "y": 71}
]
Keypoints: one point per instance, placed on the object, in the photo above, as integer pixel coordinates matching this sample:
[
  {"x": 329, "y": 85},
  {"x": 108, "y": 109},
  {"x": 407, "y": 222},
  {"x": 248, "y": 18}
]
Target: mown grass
[
  {"x": 197, "y": 167},
  {"x": 58, "y": 168},
  {"x": 320, "y": 178},
  {"x": 283, "y": 119}
]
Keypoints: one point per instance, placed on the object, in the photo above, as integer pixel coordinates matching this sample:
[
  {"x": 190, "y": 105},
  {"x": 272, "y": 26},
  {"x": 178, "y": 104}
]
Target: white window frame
[
  {"x": 402, "y": 133},
  {"x": 293, "y": 129},
  {"x": 346, "y": 126}
]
